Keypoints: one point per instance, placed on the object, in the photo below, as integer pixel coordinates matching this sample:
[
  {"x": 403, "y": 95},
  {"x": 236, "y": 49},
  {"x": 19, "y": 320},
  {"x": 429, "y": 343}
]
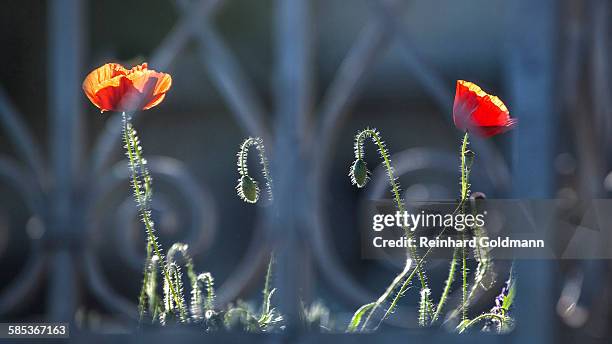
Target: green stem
[
  {"x": 465, "y": 189},
  {"x": 137, "y": 162},
  {"x": 404, "y": 286},
  {"x": 464, "y": 325},
  {"x": 447, "y": 286},
  {"x": 267, "y": 287},
  {"x": 384, "y": 154},
  {"x": 243, "y": 170},
  {"x": 143, "y": 291},
  {"x": 464, "y": 288},
  {"x": 465, "y": 173}
]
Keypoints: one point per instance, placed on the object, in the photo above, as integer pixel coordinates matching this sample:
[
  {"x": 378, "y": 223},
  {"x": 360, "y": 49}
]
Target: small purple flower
[{"x": 503, "y": 301}]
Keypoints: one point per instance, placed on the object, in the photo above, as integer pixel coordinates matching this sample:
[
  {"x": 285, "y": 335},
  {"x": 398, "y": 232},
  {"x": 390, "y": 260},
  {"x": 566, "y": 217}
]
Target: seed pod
[
  {"x": 248, "y": 190},
  {"x": 359, "y": 173}
]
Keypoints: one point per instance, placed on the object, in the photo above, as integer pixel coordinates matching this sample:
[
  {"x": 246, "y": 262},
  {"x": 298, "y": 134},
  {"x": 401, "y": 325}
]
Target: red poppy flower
[
  {"x": 115, "y": 88},
  {"x": 480, "y": 113}
]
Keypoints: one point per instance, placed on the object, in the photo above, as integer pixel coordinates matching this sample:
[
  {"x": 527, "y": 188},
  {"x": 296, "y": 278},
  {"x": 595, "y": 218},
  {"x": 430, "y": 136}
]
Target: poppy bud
[
  {"x": 359, "y": 173},
  {"x": 248, "y": 190}
]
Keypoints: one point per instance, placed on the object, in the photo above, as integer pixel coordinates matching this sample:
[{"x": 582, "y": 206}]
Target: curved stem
[
  {"x": 384, "y": 154},
  {"x": 467, "y": 324},
  {"x": 405, "y": 285},
  {"x": 243, "y": 170}
]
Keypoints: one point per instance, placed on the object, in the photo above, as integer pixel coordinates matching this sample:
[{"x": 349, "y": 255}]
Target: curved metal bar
[
  {"x": 173, "y": 43},
  {"x": 229, "y": 79},
  {"x": 21, "y": 137},
  {"x": 249, "y": 269},
  {"x": 129, "y": 232},
  {"x": 99, "y": 287},
  {"x": 24, "y": 183},
  {"x": 31, "y": 274},
  {"x": 330, "y": 265},
  {"x": 340, "y": 95},
  {"x": 199, "y": 201},
  {"x": 22, "y": 288},
  {"x": 436, "y": 86},
  {"x": 234, "y": 86}
]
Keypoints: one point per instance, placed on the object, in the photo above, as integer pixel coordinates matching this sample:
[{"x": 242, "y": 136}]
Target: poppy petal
[
  {"x": 476, "y": 111},
  {"x": 115, "y": 88}
]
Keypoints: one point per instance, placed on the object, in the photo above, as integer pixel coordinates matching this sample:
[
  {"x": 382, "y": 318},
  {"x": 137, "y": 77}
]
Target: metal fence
[{"x": 50, "y": 178}]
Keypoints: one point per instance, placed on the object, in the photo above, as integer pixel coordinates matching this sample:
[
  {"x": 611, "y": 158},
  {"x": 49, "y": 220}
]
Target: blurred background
[{"x": 305, "y": 76}]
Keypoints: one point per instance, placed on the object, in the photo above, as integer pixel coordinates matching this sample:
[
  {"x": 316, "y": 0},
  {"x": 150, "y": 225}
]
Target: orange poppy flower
[
  {"x": 115, "y": 88},
  {"x": 480, "y": 113}
]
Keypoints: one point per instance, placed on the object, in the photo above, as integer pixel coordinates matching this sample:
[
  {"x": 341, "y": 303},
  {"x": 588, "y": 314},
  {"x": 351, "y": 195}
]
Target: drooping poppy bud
[
  {"x": 359, "y": 173},
  {"x": 248, "y": 190}
]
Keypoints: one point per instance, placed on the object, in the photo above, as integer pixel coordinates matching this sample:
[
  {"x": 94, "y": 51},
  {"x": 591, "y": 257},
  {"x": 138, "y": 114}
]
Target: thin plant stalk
[
  {"x": 464, "y": 194},
  {"x": 384, "y": 154},
  {"x": 465, "y": 189},
  {"x": 447, "y": 286},
  {"x": 359, "y": 177},
  {"x": 142, "y": 195},
  {"x": 142, "y": 299},
  {"x": 248, "y": 188},
  {"x": 466, "y": 324}
]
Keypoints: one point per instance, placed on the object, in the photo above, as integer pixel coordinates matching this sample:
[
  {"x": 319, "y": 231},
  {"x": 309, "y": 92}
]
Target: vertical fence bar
[
  {"x": 530, "y": 79},
  {"x": 293, "y": 105},
  {"x": 64, "y": 68}
]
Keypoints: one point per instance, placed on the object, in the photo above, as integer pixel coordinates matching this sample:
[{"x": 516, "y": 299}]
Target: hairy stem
[
  {"x": 142, "y": 299},
  {"x": 465, "y": 169},
  {"x": 466, "y": 324},
  {"x": 465, "y": 189},
  {"x": 247, "y": 188},
  {"x": 395, "y": 189},
  {"x": 267, "y": 286},
  {"x": 142, "y": 194},
  {"x": 464, "y": 285},
  {"x": 464, "y": 194},
  {"x": 447, "y": 286},
  {"x": 404, "y": 286}
]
